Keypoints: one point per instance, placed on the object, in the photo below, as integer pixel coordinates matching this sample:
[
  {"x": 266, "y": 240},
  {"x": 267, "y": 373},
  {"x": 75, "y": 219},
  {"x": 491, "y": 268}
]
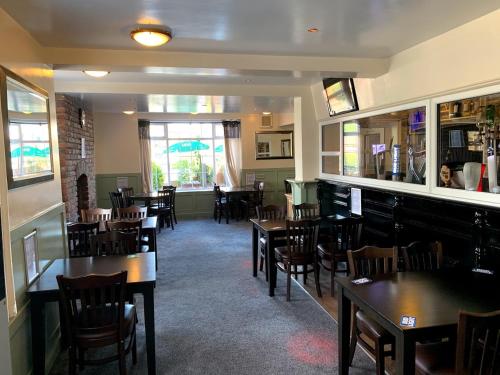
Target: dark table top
[
  {"x": 239, "y": 189},
  {"x": 434, "y": 299},
  {"x": 141, "y": 269},
  {"x": 280, "y": 225}
]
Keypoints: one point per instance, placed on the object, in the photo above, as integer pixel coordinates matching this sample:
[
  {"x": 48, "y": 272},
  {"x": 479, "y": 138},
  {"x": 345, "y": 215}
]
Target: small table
[
  {"x": 272, "y": 229},
  {"x": 433, "y": 299},
  {"x": 147, "y": 198},
  {"x": 141, "y": 279}
]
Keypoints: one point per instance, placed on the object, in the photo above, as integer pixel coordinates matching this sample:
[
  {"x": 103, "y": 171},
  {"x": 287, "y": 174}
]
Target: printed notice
[
  {"x": 121, "y": 182},
  {"x": 356, "y": 201},
  {"x": 408, "y": 321}
]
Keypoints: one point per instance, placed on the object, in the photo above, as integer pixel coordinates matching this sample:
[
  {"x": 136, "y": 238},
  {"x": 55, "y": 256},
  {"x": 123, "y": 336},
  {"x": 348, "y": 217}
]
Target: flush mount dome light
[
  {"x": 129, "y": 112},
  {"x": 96, "y": 73},
  {"x": 151, "y": 37}
]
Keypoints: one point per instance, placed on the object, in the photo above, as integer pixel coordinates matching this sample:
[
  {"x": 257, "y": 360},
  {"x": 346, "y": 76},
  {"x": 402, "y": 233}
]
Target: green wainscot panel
[
  {"x": 108, "y": 182},
  {"x": 273, "y": 178},
  {"x": 194, "y": 203}
]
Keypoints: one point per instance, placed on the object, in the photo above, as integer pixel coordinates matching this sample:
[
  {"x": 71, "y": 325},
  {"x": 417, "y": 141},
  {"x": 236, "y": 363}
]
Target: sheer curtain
[
  {"x": 145, "y": 156},
  {"x": 232, "y": 149}
]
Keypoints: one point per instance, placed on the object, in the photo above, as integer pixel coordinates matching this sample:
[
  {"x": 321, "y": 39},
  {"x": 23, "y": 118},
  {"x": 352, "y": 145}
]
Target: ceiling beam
[{"x": 106, "y": 59}]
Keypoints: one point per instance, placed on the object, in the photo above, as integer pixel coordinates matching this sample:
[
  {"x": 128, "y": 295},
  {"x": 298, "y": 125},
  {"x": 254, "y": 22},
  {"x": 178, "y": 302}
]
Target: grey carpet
[{"x": 213, "y": 317}]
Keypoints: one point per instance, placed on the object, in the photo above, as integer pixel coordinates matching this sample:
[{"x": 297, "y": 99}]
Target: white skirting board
[{"x": 5, "y": 359}]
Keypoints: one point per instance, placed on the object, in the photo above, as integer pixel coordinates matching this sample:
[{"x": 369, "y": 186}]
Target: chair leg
[
  {"x": 122, "y": 364},
  {"x": 72, "y": 361},
  {"x": 175, "y": 217},
  {"x": 171, "y": 219},
  {"x": 288, "y": 281},
  {"x": 354, "y": 336},
  {"x": 261, "y": 265},
  {"x": 316, "y": 279},
  {"x": 304, "y": 275},
  {"x": 379, "y": 357},
  {"x": 265, "y": 257},
  {"x": 332, "y": 278},
  {"x": 295, "y": 272}
]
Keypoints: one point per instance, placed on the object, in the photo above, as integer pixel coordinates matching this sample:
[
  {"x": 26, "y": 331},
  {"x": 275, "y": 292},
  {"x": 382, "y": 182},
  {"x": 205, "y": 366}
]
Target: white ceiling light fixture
[
  {"x": 266, "y": 113},
  {"x": 96, "y": 73},
  {"x": 129, "y": 112},
  {"x": 151, "y": 36}
]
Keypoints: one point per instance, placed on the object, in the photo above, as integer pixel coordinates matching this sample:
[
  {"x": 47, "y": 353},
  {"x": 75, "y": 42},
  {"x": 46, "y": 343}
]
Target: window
[
  {"x": 189, "y": 155},
  {"x": 30, "y": 148}
]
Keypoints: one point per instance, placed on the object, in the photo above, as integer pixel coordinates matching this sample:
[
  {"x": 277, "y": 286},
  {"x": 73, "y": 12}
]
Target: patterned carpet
[{"x": 213, "y": 317}]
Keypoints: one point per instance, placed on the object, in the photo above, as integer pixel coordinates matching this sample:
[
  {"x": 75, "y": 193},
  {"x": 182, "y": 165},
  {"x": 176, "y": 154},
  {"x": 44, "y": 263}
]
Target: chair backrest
[
  {"x": 346, "y": 235},
  {"x": 371, "y": 260},
  {"x": 260, "y": 193},
  {"x": 270, "y": 212},
  {"x": 114, "y": 243},
  {"x": 93, "y": 303},
  {"x": 79, "y": 238},
  {"x": 132, "y": 212},
  {"x": 423, "y": 256},
  {"x": 173, "y": 189},
  {"x": 127, "y": 226},
  {"x": 288, "y": 187},
  {"x": 256, "y": 184},
  {"x": 217, "y": 194},
  {"x": 478, "y": 344},
  {"x": 302, "y": 237},
  {"x": 165, "y": 198},
  {"x": 91, "y": 215},
  {"x": 117, "y": 201},
  {"x": 305, "y": 211},
  {"x": 127, "y": 193}
]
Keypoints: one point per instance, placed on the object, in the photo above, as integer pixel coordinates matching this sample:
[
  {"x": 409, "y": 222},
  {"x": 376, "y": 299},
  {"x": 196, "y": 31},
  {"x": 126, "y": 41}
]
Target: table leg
[
  {"x": 344, "y": 325},
  {"x": 38, "y": 335},
  {"x": 270, "y": 263},
  {"x": 405, "y": 355},
  {"x": 255, "y": 249},
  {"x": 149, "y": 321}
]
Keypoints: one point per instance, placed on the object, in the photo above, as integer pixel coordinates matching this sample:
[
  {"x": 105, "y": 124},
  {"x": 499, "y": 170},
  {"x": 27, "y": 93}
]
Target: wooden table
[
  {"x": 147, "y": 198},
  {"x": 271, "y": 230},
  {"x": 235, "y": 193},
  {"x": 434, "y": 299},
  {"x": 141, "y": 279}
]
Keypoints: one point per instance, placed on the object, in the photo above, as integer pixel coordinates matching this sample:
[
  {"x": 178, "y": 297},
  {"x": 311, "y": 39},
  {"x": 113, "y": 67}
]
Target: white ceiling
[
  {"x": 177, "y": 104},
  {"x": 355, "y": 28}
]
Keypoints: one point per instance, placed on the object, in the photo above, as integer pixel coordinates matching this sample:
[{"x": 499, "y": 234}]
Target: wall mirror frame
[
  {"x": 274, "y": 145},
  {"x": 26, "y": 129}
]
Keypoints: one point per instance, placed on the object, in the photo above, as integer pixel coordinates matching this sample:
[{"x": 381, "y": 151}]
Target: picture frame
[
  {"x": 30, "y": 247},
  {"x": 28, "y": 150}
]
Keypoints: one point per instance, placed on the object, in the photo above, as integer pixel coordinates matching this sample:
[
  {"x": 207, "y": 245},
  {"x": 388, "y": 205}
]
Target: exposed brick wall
[{"x": 73, "y": 166}]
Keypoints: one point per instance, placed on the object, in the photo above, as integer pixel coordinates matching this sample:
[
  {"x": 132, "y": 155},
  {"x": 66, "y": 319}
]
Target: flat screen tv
[{"x": 341, "y": 95}]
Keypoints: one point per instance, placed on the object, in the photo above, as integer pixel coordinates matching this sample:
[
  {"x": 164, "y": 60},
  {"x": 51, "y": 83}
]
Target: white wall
[
  {"x": 117, "y": 143},
  {"x": 463, "y": 57}
]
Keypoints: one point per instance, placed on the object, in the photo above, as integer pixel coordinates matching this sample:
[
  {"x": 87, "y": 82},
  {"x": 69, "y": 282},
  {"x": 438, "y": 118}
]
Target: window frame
[{"x": 167, "y": 139}]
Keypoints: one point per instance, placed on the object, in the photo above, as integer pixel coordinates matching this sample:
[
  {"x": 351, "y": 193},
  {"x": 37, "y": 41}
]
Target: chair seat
[
  {"x": 281, "y": 255},
  {"x": 100, "y": 327},
  {"x": 325, "y": 251},
  {"x": 371, "y": 328},
  {"x": 435, "y": 358}
]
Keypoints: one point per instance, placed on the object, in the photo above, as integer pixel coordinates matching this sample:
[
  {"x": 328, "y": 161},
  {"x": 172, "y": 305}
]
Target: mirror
[
  {"x": 274, "y": 145},
  {"x": 26, "y": 127}
]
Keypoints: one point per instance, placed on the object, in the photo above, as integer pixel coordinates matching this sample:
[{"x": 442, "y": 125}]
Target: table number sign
[
  {"x": 408, "y": 321},
  {"x": 31, "y": 257}
]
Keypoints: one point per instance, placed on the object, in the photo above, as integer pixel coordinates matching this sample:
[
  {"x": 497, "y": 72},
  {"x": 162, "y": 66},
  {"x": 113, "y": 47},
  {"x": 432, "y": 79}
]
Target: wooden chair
[
  {"x": 305, "y": 211},
  {"x": 369, "y": 261},
  {"x": 345, "y": 235},
  {"x": 113, "y": 243},
  {"x": 117, "y": 201},
  {"x": 164, "y": 208},
  {"x": 132, "y": 212},
  {"x": 129, "y": 226},
  {"x": 256, "y": 199},
  {"x": 423, "y": 256},
  {"x": 173, "y": 189},
  {"x": 269, "y": 212},
  {"x": 477, "y": 351},
  {"x": 79, "y": 235},
  {"x": 95, "y": 315},
  {"x": 221, "y": 205},
  {"x": 127, "y": 193},
  {"x": 101, "y": 215},
  {"x": 300, "y": 250}
]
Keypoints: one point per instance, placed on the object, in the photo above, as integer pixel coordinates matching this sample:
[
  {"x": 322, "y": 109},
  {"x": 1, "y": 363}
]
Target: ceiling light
[
  {"x": 96, "y": 73},
  {"x": 151, "y": 37},
  {"x": 129, "y": 112},
  {"x": 266, "y": 113},
  {"x": 312, "y": 30}
]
